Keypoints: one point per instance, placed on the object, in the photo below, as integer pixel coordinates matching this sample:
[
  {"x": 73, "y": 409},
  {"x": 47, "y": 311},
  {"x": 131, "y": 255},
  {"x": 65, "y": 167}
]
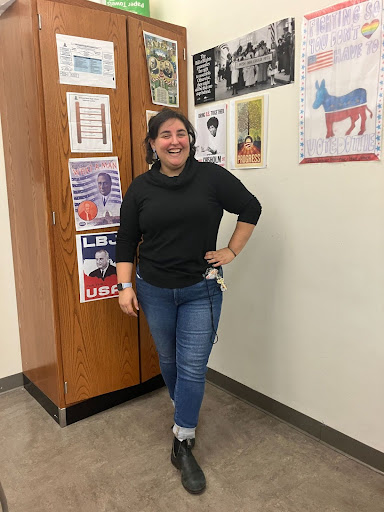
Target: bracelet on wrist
[{"x": 233, "y": 252}]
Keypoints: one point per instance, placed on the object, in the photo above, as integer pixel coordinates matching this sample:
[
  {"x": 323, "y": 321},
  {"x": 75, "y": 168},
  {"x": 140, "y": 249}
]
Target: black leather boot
[{"x": 192, "y": 476}]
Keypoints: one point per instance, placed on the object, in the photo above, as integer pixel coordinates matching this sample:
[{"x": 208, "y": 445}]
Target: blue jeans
[{"x": 183, "y": 323}]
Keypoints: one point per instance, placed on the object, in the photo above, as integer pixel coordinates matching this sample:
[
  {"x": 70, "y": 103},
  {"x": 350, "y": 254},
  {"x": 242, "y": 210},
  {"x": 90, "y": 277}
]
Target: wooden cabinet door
[
  {"x": 99, "y": 344},
  {"x": 140, "y": 99}
]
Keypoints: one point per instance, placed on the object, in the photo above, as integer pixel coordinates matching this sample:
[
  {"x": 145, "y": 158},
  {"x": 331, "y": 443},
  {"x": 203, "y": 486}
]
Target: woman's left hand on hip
[{"x": 220, "y": 257}]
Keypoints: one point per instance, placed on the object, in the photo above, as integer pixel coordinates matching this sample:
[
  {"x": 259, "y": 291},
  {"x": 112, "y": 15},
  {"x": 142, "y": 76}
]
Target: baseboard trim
[
  {"x": 40, "y": 397},
  {"x": 11, "y": 382},
  {"x": 103, "y": 402},
  {"x": 315, "y": 428},
  {"x": 77, "y": 412}
]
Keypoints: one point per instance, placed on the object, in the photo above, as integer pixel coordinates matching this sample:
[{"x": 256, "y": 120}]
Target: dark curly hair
[{"x": 153, "y": 130}]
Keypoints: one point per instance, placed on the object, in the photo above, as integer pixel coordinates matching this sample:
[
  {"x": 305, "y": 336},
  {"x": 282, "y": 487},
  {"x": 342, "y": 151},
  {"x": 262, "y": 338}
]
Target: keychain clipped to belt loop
[{"x": 213, "y": 273}]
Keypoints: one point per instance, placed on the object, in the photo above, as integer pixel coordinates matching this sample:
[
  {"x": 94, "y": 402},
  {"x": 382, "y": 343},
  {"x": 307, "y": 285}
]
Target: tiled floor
[{"x": 119, "y": 461}]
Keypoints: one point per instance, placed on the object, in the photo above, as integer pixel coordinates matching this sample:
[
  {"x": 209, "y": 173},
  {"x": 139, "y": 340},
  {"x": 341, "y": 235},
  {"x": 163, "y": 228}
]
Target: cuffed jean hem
[{"x": 183, "y": 433}]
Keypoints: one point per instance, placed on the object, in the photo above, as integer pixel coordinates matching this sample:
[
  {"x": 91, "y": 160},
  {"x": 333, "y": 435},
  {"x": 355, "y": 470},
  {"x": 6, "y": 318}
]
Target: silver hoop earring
[{"x": 155, "y": 154}]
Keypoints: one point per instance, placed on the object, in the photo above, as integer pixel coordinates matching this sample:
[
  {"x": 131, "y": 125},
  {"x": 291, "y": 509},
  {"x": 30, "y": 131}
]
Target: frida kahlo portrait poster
[
  {"x": 249, "y": 132},
  {"x": 341, "y": 90}
]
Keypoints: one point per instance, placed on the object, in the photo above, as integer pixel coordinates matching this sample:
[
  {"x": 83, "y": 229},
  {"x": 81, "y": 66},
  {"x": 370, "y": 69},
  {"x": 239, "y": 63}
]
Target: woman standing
[
  {"x": 227, "y": 73},
  {"x": 279, "y": 51},
  {"x": 234, "y": 75},
  {"x": 175, "y": 208},
  {"x": 257, "y": 66},
  {"x": 263, "y": 66},
  {"x": 249, "y": 71},
  {"x": 273, "y": 64}
]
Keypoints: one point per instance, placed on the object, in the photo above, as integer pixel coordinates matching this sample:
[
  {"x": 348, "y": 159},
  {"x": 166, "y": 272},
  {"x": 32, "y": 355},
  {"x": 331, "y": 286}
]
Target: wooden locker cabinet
[{"x": 77, "y": 358}]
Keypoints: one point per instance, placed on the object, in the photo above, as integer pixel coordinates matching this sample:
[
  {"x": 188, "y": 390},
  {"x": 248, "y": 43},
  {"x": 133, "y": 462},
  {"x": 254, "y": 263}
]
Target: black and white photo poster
[
  {"x": 259, "y": 60},
  {"x": 211, "y": 129}
]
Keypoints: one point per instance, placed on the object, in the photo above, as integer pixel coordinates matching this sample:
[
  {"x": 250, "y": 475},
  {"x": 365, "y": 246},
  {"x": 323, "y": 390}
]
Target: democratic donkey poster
[{"x": 342, "y": 76}]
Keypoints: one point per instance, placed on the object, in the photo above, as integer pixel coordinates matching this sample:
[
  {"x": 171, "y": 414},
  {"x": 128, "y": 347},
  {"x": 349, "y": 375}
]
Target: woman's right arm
[
  {"x": 127, "y": 297},
  {"x": 128, "y": 238}
]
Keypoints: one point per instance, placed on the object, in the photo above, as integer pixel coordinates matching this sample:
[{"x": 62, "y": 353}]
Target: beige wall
[
  {"x": 10, "y": 358},
  {"x": 303, "y": 318}
]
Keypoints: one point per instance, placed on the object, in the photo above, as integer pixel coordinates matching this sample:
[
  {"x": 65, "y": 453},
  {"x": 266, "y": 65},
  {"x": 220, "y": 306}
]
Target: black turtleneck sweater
[{"x": 178, "y": 219}]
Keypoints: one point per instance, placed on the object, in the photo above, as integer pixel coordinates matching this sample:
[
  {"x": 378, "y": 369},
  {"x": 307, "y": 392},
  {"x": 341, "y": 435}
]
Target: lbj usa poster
[
  {"x": 342, "y": 76},
  {"x": 96, "y": 257}
]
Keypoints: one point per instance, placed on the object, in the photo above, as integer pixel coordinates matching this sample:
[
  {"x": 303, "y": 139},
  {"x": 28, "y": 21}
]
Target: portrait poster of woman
[
  {"x": 249, "y": 132},
  {"x": 211, "y": 130}
]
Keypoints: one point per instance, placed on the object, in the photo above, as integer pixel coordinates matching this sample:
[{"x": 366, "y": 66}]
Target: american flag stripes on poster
[
  {"x": 341, "y": 86},
  {"x": 321, "y": 60}
]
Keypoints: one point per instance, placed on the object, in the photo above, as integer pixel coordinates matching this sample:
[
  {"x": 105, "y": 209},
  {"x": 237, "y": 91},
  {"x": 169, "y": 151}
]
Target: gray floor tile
[{"x": 119, "y": 461}]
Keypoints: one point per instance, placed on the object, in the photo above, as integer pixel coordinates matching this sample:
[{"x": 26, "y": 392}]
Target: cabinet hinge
[
  {"x": 184, "y": 54},
  {"x": 53, "y": 218},
  {"x": 39, "y": 21},
  {"x": 65, "y": 388}
]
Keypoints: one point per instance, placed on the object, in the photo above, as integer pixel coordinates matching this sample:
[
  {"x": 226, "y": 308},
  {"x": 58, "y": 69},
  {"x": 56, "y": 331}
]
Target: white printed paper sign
[
  {"x": 89, "y": 119},
  {"x": 84, "y": 61}
]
